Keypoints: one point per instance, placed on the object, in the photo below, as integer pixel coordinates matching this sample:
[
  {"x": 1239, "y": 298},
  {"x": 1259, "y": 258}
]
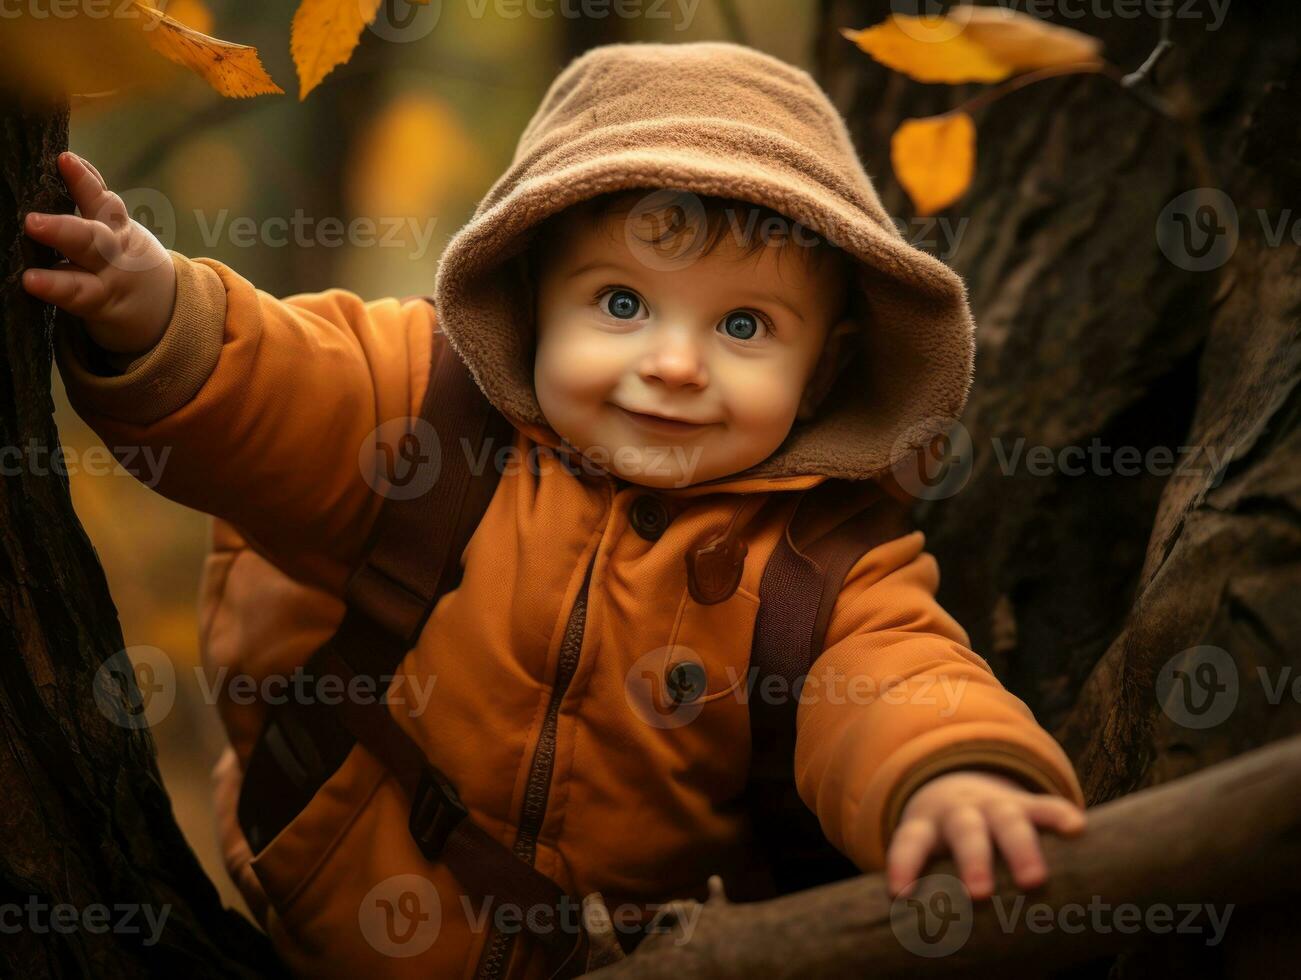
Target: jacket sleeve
[
  {"x": 898, "y": 698},
  {"x": 256, "y": 409}
]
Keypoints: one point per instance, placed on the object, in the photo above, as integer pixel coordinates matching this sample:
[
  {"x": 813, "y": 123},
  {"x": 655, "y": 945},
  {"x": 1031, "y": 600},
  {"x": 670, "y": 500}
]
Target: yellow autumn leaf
[
  {"x": 192, "y": 13},
  {"x": 934, "y": 159},
  {"x": 323, "y": 36},
  {"x": 234, "y": 70},
  {"x": 972, "y": 44},
  {"x": 1024, "y": 42},
  {"x": 928, "y": 50}
]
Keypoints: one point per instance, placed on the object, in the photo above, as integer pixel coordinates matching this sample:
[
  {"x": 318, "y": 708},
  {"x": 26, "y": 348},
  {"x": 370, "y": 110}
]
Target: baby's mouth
[{"x": 658, "y": 424}]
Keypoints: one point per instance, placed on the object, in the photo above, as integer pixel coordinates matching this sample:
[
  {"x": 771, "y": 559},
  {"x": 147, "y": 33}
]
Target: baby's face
[{"x": 725, "y": 344}]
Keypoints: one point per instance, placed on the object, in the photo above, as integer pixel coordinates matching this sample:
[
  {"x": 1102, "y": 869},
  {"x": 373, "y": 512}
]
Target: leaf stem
[
  {"x": 1018, "y": 82},
  {"x": 1098, "y": 67}
]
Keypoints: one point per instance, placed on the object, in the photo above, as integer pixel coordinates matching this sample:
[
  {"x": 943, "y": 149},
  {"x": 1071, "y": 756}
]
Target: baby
[{"x": 686, "y": 277}]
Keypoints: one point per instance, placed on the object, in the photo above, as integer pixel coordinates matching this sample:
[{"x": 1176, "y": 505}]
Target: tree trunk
[
  {"x": 1148, "y": 619},
  {"x": 96, "y": 878},
  {"x": 1079, "y": 587}
]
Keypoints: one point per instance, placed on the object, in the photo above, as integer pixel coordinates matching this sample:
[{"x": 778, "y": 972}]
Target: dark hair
[{"x": 747, "y": 223}]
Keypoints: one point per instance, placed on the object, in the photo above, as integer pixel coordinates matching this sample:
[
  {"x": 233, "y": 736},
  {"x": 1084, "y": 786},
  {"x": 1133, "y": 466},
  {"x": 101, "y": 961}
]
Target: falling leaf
[
  {"x": 934, "y": 159},
  {"x": 1025, "y": 42},
  {"x": 324, "y": 35},
  {"x": 973, "y": 44},
  {"x": 192, "y": 13},
  {"x": 926, "y": 49},
  {"x": 234, "y": 70}
]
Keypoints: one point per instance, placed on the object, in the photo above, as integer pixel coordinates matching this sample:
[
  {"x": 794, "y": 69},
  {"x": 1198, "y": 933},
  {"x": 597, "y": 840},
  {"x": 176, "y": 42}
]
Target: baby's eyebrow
[
  {"x": 596, "y": 264},
  {"x": 779, "y": 301}
]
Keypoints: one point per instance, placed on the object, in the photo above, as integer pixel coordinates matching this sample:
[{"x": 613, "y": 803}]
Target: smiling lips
[{"x": 659, "y": 424}]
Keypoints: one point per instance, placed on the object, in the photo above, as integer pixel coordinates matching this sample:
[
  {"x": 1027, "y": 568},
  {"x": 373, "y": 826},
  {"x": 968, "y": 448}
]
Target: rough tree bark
[
  {"x": 1080, "y": 587},
  {"x": 85, "y": 821},
  {"x": 1194, "y": 856}
]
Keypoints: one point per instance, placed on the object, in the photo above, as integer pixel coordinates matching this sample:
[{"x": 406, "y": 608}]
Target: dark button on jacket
[
  {"x": 686, "y": 681},
  {"x": 649, "y": 516}
]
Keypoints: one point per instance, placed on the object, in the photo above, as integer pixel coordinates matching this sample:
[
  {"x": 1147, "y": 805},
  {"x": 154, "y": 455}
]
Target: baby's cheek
[
  {"x": 763, "y": 405},
  {"x": 573, "y": 369}
]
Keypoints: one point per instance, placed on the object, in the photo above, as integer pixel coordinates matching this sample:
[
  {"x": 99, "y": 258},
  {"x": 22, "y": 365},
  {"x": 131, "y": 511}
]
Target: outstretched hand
[
  {"x": 116, "y": 276},
  {"x": 960, "y": 811}
]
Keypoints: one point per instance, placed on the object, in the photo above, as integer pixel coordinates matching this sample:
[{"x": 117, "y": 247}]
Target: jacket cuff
[
  {"x": 882, "y": 806},
  {"x": 143, "y": 388}
]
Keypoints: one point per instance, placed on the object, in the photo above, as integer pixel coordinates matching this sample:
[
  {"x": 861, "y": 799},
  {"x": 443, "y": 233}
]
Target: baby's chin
[{"x": 664, "y": 466}]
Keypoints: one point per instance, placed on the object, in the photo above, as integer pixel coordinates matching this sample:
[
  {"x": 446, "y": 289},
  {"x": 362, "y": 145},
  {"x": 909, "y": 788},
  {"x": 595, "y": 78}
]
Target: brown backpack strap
[
  {"x": 487, "y": 870},
  {"x": 408, "y": 563},
  {"x": 833, "y": 525},
  {"x": 410, "y": 560}
]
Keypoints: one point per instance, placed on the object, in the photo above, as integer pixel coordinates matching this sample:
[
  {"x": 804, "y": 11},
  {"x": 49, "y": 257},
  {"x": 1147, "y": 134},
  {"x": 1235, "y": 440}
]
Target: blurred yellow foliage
[{"x": 413, "y": 156}]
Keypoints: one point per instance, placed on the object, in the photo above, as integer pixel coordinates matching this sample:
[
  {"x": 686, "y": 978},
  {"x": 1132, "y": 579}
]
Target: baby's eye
[
  {"x": 741, "y": 325},
  {"x": 621, "y": 303}
]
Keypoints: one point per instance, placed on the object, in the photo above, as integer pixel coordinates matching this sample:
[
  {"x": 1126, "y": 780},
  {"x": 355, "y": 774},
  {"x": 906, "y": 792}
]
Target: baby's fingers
[
  {"x": 89, "y": 244},
  {"x": 1061, "y": 815},
  {"x": 912, "y": 843},
  {"x": 75, "y": 290},
  {"x": 968, "y": 837},
  {"x": 1019, "y": 842},
  {"x": 90, "y": 193}
]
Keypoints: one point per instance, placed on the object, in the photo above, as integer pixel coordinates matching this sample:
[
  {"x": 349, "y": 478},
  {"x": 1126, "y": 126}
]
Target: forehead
[{"x": 673, "y": 240}]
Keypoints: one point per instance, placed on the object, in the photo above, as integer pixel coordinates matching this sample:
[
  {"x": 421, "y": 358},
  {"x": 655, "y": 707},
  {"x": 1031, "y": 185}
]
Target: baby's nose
[{"x": 676, "y": 362}]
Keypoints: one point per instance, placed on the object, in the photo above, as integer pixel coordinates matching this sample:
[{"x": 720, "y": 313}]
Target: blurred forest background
[{"x": 415, "y": 127}]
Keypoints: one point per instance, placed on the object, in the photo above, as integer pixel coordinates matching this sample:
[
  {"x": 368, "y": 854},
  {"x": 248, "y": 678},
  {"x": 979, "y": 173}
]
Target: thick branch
[{"x": 1168, "y": 848}]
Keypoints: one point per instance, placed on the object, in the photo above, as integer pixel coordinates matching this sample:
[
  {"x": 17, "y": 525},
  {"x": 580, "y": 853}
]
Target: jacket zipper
[{"x": 497, "y": 951}]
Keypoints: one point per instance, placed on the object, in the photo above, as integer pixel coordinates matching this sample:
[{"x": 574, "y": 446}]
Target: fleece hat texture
[{"x": 716, "y": 118}]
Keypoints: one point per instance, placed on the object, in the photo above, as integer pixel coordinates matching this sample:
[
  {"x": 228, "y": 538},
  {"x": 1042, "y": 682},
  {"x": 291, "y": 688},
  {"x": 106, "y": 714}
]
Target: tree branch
[{"x": 1167, "y": 848}]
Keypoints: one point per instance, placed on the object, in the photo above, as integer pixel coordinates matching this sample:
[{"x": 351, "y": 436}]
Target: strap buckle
[
  {"x": 436, "y": 810},
  {"x": 293, "y": 750}
]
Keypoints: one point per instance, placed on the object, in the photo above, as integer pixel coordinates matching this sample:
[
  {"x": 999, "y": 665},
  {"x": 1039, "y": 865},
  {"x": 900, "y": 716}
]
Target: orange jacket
[
  {"x": 268, "y": 441},
  {"x": 265, "y": 403}
]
